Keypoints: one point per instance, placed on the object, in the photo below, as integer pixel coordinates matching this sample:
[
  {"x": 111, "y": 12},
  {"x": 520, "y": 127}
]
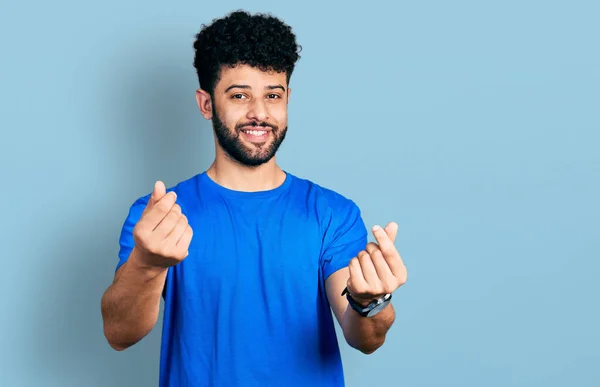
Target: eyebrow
[
  {"x": 273, "y": 87},
  {"x": 270, "y": 87}
]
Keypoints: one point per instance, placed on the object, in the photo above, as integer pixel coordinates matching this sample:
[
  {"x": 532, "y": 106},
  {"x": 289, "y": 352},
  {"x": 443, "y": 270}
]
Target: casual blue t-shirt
[{"x": 247, "y": 306}]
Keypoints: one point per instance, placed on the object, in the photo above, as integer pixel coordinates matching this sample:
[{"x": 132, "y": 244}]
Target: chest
[{"x": 249, "y": 251}]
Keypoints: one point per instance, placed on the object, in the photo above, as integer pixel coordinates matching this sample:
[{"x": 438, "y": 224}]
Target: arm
[
  {"x": 130, "y": 306},
  {"x": 160, "y": 237},
  {"x": 362, "y": 333},
  {"x": 376, "y": 271}
]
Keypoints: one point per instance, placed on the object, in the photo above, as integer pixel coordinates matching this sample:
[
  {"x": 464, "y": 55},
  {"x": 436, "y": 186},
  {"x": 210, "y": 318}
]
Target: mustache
[{"x": 256, "y": 124}]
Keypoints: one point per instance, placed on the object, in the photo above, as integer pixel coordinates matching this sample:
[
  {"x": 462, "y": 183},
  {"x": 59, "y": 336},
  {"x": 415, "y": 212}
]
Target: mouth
[{"x": 253, "y": 134}]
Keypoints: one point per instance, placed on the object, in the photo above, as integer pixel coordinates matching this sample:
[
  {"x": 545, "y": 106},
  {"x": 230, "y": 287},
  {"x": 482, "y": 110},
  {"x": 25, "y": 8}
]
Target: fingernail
[{"x": 376, "y": 228}]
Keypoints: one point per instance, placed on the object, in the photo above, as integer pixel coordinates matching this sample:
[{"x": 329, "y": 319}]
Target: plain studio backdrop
[{"x": 474, "y": 125}]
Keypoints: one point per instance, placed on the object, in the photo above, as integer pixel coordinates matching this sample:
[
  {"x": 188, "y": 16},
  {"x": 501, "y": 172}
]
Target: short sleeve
[
  {"x": 345, "y": 237},
  {"x": 126, "y": 242}
]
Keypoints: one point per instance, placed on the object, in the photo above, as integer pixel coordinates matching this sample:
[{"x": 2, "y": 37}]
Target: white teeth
[{"x": 256, "y": 132}]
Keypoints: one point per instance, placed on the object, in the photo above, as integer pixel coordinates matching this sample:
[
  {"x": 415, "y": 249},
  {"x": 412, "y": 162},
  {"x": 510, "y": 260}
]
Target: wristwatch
[{"x": 370, "y": 310}]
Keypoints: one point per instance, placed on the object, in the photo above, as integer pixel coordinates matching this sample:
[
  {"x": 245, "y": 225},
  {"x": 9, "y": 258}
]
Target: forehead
[{"x": 250, "y": 76}]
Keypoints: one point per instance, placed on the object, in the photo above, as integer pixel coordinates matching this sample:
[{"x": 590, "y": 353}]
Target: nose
[{"x": 258, "y": 110}]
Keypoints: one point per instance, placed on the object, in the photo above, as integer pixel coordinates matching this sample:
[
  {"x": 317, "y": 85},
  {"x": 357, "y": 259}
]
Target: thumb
[
  {"x": 159, "y": 191},
  {"x": 392, "y": 230}
]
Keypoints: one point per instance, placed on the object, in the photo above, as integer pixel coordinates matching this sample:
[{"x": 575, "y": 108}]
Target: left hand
[{"x": 377, "y": 270}]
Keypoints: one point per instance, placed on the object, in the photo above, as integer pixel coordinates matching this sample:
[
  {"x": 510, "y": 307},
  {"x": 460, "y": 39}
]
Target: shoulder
[
  {"x": 343, "y": 231},
  {"x": 185, "y": 190},
  {"x": 324, "y": 195},
  {"x": 331, "y": 206}
]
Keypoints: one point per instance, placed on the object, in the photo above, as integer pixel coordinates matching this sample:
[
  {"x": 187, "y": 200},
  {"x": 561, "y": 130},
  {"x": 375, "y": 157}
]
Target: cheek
[
  {"x": 279, "y": 114},
  {"x": 231, "y": 118}
]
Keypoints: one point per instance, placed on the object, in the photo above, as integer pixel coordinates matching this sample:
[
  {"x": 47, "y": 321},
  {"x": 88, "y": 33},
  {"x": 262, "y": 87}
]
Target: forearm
[
  {"x": 367, "y": 334},
  {"x": 130, "y": 306}
]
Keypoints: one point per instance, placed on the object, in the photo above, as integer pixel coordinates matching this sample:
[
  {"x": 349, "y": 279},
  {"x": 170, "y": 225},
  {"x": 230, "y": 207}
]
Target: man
[{"x": 250, "y": 260}]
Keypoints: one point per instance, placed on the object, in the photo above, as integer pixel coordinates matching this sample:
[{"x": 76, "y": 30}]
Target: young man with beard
[{"x": 250, "y": 260}]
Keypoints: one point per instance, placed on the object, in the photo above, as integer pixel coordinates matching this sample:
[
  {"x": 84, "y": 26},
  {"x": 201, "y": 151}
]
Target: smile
[
  {"x": 256, "y": 136},
  {"x": 256, "y": 132}
]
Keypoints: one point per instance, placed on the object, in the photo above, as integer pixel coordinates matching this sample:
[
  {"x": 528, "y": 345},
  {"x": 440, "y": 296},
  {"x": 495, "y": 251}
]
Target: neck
[{"x": 232, "y": 175}]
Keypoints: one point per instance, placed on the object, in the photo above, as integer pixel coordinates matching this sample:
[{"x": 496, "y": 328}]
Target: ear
[{"x": 204, "y": 103}]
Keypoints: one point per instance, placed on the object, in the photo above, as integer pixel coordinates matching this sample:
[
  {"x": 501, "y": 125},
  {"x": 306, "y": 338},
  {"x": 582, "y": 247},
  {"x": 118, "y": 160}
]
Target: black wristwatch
[{"x": 370, "y": 310}]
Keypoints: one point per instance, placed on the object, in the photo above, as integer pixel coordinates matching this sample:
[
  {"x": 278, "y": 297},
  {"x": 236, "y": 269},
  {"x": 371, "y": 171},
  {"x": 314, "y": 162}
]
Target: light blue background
[{"x": 474, "y": 125}]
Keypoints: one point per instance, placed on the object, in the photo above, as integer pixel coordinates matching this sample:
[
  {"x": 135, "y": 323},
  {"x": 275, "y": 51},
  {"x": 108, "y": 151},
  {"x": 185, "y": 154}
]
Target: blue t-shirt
[{"x": 247, "y": 306}]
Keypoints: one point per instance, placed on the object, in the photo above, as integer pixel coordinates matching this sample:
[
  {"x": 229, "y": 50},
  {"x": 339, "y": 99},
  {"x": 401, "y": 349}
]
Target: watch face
[
  {"x": 377, "y": 309},
  {"x": 372, "y": 309}
]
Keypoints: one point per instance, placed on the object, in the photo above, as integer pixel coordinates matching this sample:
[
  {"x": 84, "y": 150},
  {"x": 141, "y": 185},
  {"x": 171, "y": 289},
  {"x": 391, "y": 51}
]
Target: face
[{"x": 249, "y": 113}]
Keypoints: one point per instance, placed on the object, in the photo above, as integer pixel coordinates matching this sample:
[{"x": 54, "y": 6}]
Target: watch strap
[{"x": 372, "y": 308}]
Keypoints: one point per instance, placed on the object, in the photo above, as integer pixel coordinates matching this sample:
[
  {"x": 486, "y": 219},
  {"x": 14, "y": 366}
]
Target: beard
[{"x": 249, "y": 155}]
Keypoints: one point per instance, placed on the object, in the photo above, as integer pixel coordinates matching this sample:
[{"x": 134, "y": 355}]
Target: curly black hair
[{"x": 261, "y": 41}]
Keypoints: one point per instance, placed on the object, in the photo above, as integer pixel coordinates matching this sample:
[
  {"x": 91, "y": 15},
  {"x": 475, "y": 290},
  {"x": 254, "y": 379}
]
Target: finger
[
  {"x": 386, "y": 245},
  {"x": 368, "y": 270},
  {"x": 388, "y": 280},
  {"x": 383, "y": 270},
  {"x": 390, "y": 254},
  {"x": 371, "y": 248},
  {"x": 186, "y": 239},
  {"x": 392, "y": 230},
  {"x": 168, "y": 223},
  {"x": 156, "y": 214},
  {"x": 356, "y": 282},
  {"x": 158, "y": 192},
  {"x": 177, "y": 231}
]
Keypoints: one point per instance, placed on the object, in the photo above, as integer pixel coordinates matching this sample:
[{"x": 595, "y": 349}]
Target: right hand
[{"x": 162, "y": 235}]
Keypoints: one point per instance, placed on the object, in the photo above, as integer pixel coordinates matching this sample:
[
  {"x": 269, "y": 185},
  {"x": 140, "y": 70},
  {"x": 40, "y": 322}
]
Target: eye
[
  {"x": 273, "y": 96},
  {"x": 238, "y": 96}
]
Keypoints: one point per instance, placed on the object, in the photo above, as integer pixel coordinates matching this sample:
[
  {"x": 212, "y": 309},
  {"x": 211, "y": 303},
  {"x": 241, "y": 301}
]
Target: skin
[
  {"x": 374, "y": 272},
  {"x": 130, "y": 305},
  {"x": 243, "y": 96}
]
